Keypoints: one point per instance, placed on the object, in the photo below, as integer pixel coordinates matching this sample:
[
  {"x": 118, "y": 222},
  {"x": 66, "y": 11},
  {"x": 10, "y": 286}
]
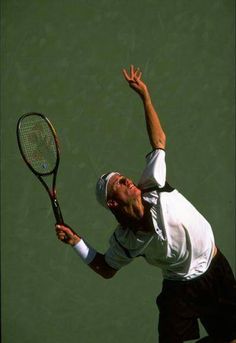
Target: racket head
[{"x": 38, "y": 143}]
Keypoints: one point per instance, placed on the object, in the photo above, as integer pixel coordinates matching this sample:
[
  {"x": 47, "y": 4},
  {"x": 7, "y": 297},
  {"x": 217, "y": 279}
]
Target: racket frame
[{"x": 51, "y": 192}]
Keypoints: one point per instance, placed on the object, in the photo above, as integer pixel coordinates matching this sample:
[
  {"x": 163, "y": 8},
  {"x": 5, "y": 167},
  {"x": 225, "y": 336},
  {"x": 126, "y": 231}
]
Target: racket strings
[{"x": 38, "y": 144}]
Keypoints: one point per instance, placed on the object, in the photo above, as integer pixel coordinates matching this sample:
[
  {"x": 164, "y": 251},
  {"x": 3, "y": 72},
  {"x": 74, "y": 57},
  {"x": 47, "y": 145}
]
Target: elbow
[
  {"x": 163, "y": 139},
  {"x": 108, "y": 276},
  {"x": 160, "y": 142},
  {"x": 100, "y": 266}
]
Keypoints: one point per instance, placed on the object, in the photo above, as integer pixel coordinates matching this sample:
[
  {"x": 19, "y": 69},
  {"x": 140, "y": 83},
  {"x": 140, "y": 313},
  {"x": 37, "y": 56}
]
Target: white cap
[{"x": 101, "y": 188}]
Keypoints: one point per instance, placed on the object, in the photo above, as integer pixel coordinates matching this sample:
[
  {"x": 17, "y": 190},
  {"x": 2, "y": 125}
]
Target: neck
[
  {"x": 135, "y": 209},
  {"x": 136, "y": 216}
]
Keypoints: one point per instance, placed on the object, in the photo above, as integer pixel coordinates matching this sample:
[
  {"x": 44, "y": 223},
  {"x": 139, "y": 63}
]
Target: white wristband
[{"x": 86, "y": 252}]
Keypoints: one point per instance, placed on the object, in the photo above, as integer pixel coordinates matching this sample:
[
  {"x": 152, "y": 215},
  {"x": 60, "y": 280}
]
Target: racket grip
[{"x": 57, "y": 211}]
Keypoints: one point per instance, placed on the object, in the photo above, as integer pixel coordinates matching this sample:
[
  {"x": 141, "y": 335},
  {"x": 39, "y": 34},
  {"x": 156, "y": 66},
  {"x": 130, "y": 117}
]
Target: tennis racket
[{"x": 38, "y": 144}]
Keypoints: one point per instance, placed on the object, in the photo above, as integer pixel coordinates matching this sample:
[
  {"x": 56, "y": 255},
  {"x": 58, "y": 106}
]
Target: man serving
[{"x": 158, "y": 223}]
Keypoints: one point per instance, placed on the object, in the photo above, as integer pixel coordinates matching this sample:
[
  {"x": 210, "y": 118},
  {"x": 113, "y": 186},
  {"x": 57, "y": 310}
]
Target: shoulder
[
  {"x": 154, "y": 172},
  {"x": 123, "y": 235}
]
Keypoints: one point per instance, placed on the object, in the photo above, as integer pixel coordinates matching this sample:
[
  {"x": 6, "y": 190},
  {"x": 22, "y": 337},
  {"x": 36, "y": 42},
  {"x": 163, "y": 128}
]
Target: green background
[{"x": 64, "y": 58}]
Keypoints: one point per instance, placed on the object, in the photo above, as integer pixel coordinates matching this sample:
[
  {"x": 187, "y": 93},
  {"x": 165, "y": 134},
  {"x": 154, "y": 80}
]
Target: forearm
[
  {"x": 94, "y": 259},
  {"x": 156, "y": 134},
  {"x": 100, "y": 266},
  {"x": 87, "y": 253}
]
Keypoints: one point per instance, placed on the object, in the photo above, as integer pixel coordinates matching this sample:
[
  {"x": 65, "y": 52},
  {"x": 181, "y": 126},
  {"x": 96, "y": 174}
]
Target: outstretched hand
[{"x": 135, "y": 82}]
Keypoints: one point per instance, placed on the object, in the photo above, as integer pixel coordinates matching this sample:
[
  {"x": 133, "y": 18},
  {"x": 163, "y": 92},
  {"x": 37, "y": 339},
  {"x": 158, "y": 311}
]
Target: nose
[
  {"x": 128, "y": 182},
  {"x": 125, "y": 181}
]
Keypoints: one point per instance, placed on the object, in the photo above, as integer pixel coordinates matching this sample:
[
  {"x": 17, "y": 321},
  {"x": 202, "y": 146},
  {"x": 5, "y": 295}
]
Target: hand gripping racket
[{"x": 38, "y": 144}]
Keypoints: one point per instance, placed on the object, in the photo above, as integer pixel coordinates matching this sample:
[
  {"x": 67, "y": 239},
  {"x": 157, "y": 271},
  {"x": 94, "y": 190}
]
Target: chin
[{"x": 136, "y": 191}]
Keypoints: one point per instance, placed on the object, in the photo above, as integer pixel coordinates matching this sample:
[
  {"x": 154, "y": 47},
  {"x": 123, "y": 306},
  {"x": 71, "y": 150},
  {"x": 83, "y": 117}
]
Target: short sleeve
[
  {"x": 116, "y": 256},
  {"x": 154, "y": 173}
]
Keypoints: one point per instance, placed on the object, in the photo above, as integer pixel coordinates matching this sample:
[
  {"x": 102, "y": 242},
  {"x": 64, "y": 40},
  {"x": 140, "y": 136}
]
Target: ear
[{"x": 112, "y": 203}]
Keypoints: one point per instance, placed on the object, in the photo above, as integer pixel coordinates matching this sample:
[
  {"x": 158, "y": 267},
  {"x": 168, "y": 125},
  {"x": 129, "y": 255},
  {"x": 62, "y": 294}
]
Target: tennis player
[{"x": 158, "y": 223}]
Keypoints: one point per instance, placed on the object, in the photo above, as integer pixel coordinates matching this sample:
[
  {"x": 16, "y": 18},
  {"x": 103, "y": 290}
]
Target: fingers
[
  {"x": 61, "y": 235},
  {"x": 63, "y": 228},
  {"x": 63, "y": 232},
  {"x": 126, "y": 75},
  {"x": 135, "y": 74},
  {"x": 67, "y": 235}
]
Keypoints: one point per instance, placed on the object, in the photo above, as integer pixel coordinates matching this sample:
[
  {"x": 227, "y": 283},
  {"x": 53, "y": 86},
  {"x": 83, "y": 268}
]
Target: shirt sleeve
[
  {"x": 116, "y": 256},
  {"x": 154, "y": 173}
]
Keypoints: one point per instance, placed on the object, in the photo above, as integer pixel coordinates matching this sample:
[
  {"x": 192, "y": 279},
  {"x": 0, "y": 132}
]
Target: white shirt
[{"x": 183, "y": 242}]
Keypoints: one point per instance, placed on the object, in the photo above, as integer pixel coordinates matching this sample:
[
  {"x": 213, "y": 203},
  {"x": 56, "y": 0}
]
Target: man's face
[{"x": 121, "y": 191}]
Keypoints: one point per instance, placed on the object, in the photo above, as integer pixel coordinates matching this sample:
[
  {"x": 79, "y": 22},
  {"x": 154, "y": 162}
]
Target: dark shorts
[{"x": 210, "y": 298}]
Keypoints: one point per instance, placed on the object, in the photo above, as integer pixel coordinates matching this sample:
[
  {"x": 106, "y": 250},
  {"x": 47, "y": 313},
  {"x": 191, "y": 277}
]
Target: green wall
[{"x": 64, "y": 58}]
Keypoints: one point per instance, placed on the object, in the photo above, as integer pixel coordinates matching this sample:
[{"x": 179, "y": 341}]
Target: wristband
[{"x": 86, "y": 252}]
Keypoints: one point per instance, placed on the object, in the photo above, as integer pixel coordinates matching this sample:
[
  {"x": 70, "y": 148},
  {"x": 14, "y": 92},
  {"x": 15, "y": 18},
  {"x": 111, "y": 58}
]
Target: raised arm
[
  {"x": 92, "y": 258},
  {"x": 156, "y": 134}
]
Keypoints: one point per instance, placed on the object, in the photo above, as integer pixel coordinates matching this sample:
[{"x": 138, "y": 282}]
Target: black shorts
[{"x": 210, "y": 298}]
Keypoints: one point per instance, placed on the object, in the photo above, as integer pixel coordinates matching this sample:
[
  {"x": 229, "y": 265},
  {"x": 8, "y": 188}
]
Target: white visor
[{"x": 101, "y": 188}]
